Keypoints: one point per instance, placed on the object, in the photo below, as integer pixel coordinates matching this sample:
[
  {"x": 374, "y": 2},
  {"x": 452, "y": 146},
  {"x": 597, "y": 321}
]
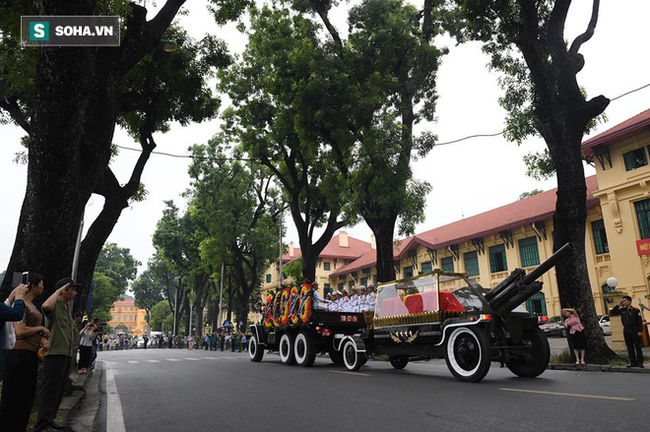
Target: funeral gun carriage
[
  {"x": 445, "y": 315},
  {"x": 437, "y": 315}
]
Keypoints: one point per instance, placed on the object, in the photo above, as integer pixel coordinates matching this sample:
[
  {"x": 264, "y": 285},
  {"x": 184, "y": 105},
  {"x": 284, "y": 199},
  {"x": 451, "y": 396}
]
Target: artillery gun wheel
[
  {"x": 287, "y": 349},
  {"x": 304, "y": 351},
  {"x": 398, "y": 361},
  {"x": 255, "y": 352},
  {"x": 336, "y": 357},
  {"x": 535, "y": 360},
  {"x": 351, "y": 357},
  {"x": 468, "y": 354}
]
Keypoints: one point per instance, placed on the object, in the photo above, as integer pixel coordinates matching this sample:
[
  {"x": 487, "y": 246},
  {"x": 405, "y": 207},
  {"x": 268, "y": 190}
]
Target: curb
[
  {"x": 597, "y": 368},
  {"x": 70, "y": 404}
]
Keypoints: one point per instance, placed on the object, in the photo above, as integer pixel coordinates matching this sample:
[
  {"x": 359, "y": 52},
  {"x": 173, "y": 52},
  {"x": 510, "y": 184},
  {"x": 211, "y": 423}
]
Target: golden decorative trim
[
  {"x": 404, "y": 337},
  {"x": 418, "y": 318}
]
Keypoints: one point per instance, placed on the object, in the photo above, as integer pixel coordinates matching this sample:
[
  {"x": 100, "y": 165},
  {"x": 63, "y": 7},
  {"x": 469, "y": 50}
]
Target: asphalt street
[{"x": 178, "y": 390}]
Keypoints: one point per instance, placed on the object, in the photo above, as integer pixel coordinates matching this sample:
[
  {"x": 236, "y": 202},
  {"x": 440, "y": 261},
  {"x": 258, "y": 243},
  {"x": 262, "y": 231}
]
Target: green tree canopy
[{"x": 118, "y": 264}]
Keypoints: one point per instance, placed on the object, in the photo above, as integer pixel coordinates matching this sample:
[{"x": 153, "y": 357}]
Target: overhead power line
[{"x": 468, "y": 137}]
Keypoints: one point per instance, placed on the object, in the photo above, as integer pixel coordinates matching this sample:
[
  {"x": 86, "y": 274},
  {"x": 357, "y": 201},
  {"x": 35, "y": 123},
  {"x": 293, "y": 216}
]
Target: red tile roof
[
  {"x": 125, "y": 302},
  {"x": 623, "y": 130},
  {"x": 354, "y": 250},
  {"x": 538, "y": 207}
]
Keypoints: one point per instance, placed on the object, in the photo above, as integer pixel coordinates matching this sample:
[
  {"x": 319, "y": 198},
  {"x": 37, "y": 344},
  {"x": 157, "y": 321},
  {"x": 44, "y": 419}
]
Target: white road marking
[
  {"x": 351, "y": 373},
  {"x": 174, "y": 359},
  {"x": 211, "y": 358},
  {"x": 153, "y": 361},
  {"x": 191, "y": 358},
  {"x": 114, "y": 417},
  {"x": 577, "y": 395},
  {"x": 134, "y": 361}
]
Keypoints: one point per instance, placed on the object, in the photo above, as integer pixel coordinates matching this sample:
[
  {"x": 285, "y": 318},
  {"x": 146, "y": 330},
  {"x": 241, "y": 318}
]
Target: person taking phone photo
[{"x": 21, "y": 363}]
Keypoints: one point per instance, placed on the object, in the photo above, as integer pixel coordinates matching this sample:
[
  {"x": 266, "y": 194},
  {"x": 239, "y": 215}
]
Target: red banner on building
[{"x": 643, "y": 246}]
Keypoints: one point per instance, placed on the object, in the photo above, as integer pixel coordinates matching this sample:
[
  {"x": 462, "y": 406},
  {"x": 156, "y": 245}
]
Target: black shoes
[{"x": 641, "y": 365}]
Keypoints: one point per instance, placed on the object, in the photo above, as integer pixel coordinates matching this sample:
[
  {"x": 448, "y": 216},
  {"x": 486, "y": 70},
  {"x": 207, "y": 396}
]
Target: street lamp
[
  {"x": 612, "y": 282},
  {"x": 169, "y": 46}
]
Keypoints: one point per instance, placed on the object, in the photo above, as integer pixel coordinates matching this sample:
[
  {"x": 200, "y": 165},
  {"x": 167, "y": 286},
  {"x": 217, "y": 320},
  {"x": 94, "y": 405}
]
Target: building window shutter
[
  {"x": 528, "y": 252},
  {"x": 471, "y": 263},
  {"x": 498, "y": 261}
]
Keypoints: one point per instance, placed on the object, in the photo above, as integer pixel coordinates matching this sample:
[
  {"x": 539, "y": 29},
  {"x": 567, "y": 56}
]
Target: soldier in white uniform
[
  {"x": 354, "y": 300},
  {"x": 329, "y": 298},
  {"x": 371, "y": 297},
  {"x": 363, "y": 299},
  {"x": 344, "y": 302}
]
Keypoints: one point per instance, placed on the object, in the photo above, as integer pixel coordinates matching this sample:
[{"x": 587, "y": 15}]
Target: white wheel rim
[
  {"x": 252, "y": 348},
  {"x": 346, "y": 347},
  {"x": 452, "y": 357},
  {"x": 285, "y": 349},
  {"x": 300, "y": 339}
]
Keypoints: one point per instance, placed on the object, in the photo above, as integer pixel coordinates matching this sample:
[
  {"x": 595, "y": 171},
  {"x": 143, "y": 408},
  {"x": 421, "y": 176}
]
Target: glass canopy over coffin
[{"x": 422, "y": 295}]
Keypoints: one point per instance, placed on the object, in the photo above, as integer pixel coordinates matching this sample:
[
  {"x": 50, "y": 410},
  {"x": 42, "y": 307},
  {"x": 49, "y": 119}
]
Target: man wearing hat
[
  {"x": 371, "y": 297},
  {"x": 363, "y": 300},
  {"x": 56, "y": 363},
  {"x": 344, "y": 302},
  {"x": 336, "y": 297},
  {"x": 354, "y": 300}
]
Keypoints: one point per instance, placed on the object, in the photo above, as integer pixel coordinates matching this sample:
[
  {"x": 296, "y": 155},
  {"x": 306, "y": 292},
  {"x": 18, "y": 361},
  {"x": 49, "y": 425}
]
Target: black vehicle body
[
  {"x": 437, "y": 315},
  {"x": 299, "y": 344}
]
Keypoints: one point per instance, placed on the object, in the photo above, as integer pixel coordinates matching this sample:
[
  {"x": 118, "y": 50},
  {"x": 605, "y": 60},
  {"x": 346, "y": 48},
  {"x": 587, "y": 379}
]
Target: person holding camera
[
  {"x": 632, "y": 330},
  {"x": 21, "y": 363},
  {"x": 13, "y": 311},
  {"x": 57, "y": 361},
  {"x": 86, "y": 338}
]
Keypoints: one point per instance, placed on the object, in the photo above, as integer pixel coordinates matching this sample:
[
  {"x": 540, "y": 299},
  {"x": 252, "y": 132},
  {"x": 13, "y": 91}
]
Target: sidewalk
[{"x": 70, "y": 403}]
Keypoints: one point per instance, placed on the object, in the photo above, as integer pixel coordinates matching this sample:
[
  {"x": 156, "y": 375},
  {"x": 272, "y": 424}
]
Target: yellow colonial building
[
  {"x": 125, "y": 315},
  {"x": 621, "y": 155},
  {"x": 340, "y": 251}
]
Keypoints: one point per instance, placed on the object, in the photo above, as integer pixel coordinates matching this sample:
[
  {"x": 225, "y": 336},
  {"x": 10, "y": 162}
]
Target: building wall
[
  {"x": 619, "y": 190},
  {"x": 126, "y": 313}
]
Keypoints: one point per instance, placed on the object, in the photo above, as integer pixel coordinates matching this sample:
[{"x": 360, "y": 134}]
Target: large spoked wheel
[
  {"x": 533, "y": 359},
  {"x": 304, "y": 351},
  {"x": 255, "y": 352},
  {"x": 398, "y": 361},
  {"x": 468, "y": 354},
  {"x": 336, "y": 357},
  {"x": 351, "y": 357},
  {"x": 286, "y": 349}
]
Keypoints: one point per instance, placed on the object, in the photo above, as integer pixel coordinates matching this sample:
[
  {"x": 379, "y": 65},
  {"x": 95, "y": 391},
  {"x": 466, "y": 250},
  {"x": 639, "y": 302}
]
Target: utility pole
[
  {"x": 220, "y": 297},
  {"x": 280, "y": 249}
]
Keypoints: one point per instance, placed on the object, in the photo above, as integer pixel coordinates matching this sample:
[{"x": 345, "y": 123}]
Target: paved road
[{"x": 180, "y": 390}]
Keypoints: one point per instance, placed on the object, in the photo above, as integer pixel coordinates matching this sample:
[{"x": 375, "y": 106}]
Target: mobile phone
[{"x": 26, "y": 278}]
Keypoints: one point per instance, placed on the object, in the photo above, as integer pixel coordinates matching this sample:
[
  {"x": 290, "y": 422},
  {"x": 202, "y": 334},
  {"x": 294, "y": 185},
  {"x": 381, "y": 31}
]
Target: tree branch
[
  {"x": 11, "y": 106},
  {"x": 577, "y": 43}
]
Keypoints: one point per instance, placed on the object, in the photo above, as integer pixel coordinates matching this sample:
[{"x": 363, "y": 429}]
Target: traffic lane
[{"x": 242, "y": 395}]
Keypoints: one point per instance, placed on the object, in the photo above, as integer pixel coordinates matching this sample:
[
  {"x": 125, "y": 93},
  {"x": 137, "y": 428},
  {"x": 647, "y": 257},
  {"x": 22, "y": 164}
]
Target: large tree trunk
[
  {"x": 78, "y": 92},
  {"x": 561, "y": 116},
  {"x": 384, "y": 231}
]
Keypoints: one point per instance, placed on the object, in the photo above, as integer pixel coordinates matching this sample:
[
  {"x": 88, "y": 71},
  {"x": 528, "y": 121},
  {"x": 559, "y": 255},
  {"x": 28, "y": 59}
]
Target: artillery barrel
[
  {"x": 516, "y": 274},
  {"x": 518, "y": 299},
  {"x": 549, "y": 263}
]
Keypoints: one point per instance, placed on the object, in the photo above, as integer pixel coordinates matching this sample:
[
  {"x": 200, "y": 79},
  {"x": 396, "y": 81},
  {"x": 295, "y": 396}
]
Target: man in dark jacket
[{"x": 632, "y": 330}]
